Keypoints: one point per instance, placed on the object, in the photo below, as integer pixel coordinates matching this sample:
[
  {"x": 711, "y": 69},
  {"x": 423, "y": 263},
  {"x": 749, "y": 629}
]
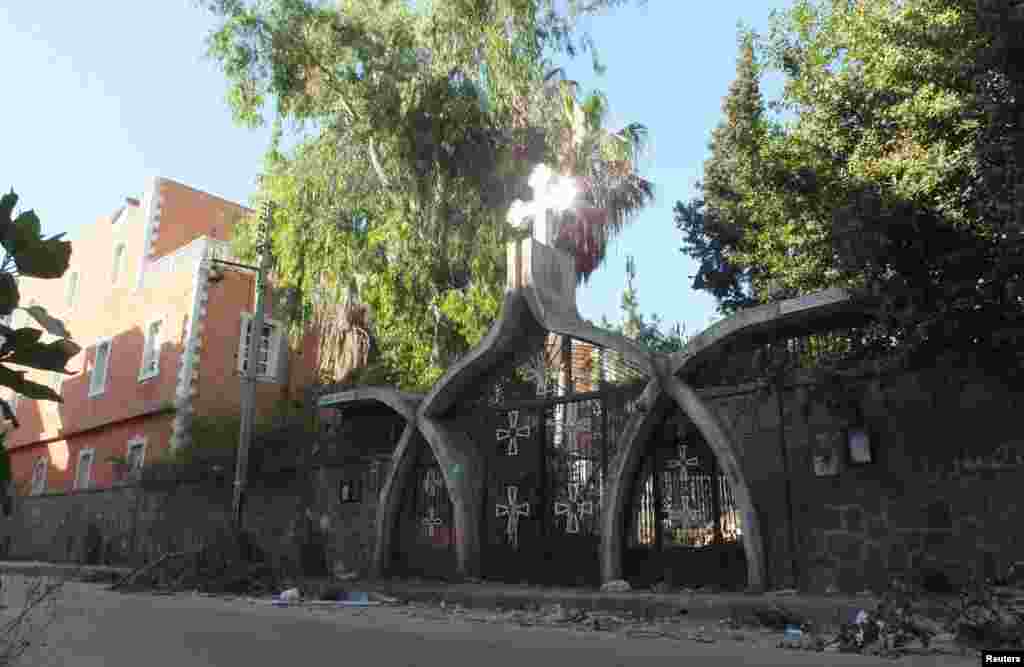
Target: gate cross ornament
[
  {"x": 683, "y": 462},
  {"x": 431, "y": 522},
  {"x": 513, "y": 511},
  {"x": 513, "y": 433},
  {"x": 432, "y": 482},
  {"x": 575, "y": 509}
]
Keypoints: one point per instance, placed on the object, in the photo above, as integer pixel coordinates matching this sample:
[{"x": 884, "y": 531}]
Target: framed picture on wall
[
  {"x": 350, "y": 490},
  {"x": 860, "y": 446},
  {"x": 826, "y": 454}
]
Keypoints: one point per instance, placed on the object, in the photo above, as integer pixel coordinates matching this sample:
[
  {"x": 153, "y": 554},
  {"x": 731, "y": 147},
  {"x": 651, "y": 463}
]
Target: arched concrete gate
[{"x": 682, "y": 524}]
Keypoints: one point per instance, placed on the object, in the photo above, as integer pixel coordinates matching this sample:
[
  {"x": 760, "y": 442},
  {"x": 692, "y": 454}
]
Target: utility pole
[{"x": 249, "y": 379}]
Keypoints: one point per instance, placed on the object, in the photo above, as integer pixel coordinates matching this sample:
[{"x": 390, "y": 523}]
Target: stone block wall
[
  {"x": 87, "y": 527},
  {"x": 127, "y": 525},
  {"x": 940, "y": 497}
]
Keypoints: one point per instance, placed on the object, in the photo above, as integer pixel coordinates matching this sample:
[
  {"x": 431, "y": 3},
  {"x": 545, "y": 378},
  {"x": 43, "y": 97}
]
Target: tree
[
  {"x": 28, "y": 254},
  {"x": 647, "y": 332},
  {"x": 606, "y": 166},
  {"x": 892, "y": 179},
  {"x": 632, "y": 321},
  {"x": 419, "y": 124},
  {"x": 714, "y": 224}
]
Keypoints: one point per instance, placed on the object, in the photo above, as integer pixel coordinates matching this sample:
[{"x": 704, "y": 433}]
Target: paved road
[{"x": 95, "y": 627}]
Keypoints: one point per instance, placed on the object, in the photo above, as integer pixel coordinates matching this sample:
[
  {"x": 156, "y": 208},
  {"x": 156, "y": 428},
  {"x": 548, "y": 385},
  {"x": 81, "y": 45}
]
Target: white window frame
[
  {"x": 273, "y": 351},
  {"x": 39, "y": 480},
  {"x": 140, "y": 442},
  {"x": 79, "y": 485},
  {"x": 102, "y": 388},
  {"x": 117, "y": 270},
  {"x": 145, "y": 374},
  {"x": 73, "y": 287}
]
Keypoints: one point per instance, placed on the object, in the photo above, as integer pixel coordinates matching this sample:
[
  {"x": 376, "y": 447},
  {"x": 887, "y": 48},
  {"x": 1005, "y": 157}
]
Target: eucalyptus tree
[{"x": 416, "y": 126}]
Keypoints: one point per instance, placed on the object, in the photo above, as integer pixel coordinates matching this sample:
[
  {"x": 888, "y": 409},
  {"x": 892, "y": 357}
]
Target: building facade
[{"x": 163, "y": 331}]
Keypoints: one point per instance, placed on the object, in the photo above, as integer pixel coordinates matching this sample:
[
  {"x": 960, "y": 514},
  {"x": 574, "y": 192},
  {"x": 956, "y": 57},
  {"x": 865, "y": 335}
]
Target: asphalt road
[{"x": 94, "y": 627}]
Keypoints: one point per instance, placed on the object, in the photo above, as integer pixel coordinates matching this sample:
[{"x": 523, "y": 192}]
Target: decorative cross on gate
[
  {"x": 513, "y": 511},
  {"x": 684, "y": 463},
  {"x": 431, "y": 521},
  {"x": 586, "y": 507},
  {"x": 432, "y": 482},
  {"x": 537, "y": 372},
  {"x": 513, "y": 433}
]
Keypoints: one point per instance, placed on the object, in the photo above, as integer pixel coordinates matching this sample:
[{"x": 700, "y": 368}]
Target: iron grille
[{"x": 680, "y": 505}]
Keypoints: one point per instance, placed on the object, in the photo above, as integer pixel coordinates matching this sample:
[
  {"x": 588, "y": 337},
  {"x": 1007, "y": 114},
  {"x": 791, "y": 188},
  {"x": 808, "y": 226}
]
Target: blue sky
[{"x": 103, "y": 95}]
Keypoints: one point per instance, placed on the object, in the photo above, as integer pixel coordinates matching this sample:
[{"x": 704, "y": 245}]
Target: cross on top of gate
[
  {"x": 513, "y": 433},
  {"x": 513, "y": 511},
  {"x": 575, "y": 509},
  {"x": 683, "y": 462}
]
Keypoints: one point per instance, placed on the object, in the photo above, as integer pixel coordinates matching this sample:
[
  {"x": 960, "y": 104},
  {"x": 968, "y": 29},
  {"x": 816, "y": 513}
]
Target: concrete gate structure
[{"x": 540, "y": 300}]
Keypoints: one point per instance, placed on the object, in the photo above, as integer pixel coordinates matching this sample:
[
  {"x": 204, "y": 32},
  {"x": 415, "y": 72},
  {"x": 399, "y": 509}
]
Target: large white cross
[
  {"x": 513, "y": 511},
  {"x": 683, "y": 462},
  {"x": 584, "y": 508},
  {"x": 513, "y": 433},
  {"x": 431, "y": 522},
  {"x": 551, "y": 192}
]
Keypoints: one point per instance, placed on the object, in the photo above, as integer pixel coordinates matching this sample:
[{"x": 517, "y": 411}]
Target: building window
[
  {"x": 83, "y": 474},
  {"x": 136, "y": 456},
  {"x": 39, "y": 471},
  {"x": 151, "y": 351},
  {"x": 12, "y": 400},
  {"x": 72, "y": 293},
  {"x": 98, "y": 381},
  {"x": 270, "y": 342},
  {"x": 118, "y": 269}
]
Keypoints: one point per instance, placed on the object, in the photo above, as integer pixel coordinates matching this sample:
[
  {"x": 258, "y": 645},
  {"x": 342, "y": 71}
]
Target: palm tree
[{"x": 605, "y": 165}]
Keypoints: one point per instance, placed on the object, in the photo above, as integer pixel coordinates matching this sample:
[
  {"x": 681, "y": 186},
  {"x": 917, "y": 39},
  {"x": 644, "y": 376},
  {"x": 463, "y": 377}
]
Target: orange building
[{"x": 163, "y": 338}]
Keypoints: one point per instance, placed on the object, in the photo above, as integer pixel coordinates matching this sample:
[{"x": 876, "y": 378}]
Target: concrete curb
[{"x": 823, "y": 611}]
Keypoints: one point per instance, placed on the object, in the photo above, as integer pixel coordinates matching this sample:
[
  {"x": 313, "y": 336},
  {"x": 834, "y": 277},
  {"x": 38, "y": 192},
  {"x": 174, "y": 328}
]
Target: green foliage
[
  {"x": 29, "y": 254},
  {"x": 893, "y": 177},
  {"x": 418, "y": 124}
]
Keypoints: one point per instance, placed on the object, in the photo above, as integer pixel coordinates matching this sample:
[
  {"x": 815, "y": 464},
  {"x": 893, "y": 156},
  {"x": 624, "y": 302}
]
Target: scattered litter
[
  {"x": 861, "y": 618},
  {"x": 617, "y": 586},
  {"x": 290, "y": 595},
  {"x": 793, "y": 633},
  {"x": 386, "y": 599}
]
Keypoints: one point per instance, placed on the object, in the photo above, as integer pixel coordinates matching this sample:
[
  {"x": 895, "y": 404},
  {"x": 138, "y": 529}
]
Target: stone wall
[
  {"x": 940, "y": 497},
  {"x": 942, "y": 494},
  {"x": 127, "y": 525}
]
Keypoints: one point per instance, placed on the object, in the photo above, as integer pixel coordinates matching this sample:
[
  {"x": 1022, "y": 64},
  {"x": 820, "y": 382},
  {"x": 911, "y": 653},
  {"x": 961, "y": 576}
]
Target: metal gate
[
  {"x": 684, "y": 527},
  {"x": 425, "y": 546},
  {"x": 547, "y": 464}
]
